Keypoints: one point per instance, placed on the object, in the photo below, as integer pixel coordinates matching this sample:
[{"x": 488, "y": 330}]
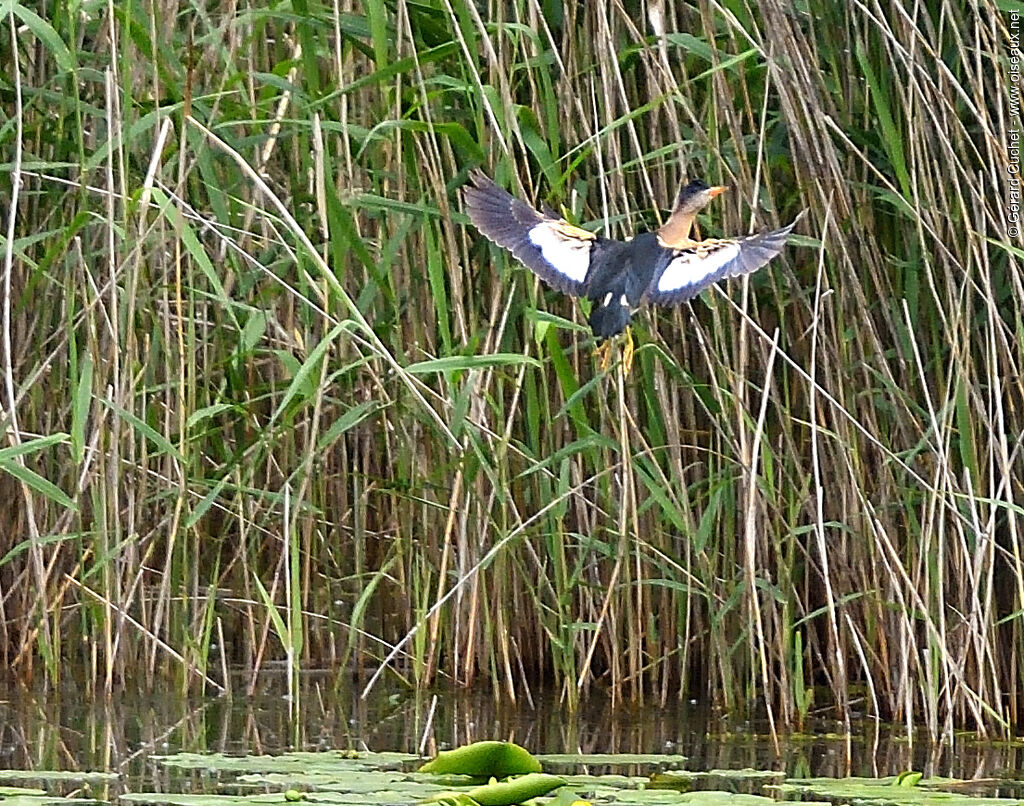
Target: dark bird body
[
  {"x": 665, "y": 267},
  {"x": 619, "y": 277}
]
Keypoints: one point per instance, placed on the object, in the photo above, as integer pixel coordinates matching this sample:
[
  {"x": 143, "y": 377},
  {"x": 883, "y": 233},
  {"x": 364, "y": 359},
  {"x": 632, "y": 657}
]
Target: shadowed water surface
[{"x": 66, "y": 731}]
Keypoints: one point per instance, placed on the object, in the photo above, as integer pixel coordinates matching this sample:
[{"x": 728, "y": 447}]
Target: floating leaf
[
  {"x": 566, "y": 797},
  {"x": 908, "y": 778},
  {"x": 660, "y": 760},
  {"x": 516, "y": 790},
  {"x": 334, "y": 762},
  {"x": 484, "y": 759},
  {"x": 882, "y": 791},
  {"x": 61, "y": 776}
]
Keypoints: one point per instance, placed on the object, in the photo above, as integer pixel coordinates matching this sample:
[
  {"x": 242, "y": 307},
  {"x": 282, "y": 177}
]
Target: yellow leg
[
  {"x": 627, "y": 353},
  {"x": 604, "y": 353}
]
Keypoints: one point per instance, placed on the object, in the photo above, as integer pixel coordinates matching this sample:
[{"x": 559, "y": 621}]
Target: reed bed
[{"x": 268, "y": 398}]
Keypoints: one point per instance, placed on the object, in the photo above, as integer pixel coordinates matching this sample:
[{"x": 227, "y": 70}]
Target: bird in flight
[{"x": 665, "y": 267}]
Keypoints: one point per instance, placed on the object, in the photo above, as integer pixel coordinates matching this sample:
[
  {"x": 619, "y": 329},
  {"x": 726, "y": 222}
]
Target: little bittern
[{"x": 666, "y": 267}]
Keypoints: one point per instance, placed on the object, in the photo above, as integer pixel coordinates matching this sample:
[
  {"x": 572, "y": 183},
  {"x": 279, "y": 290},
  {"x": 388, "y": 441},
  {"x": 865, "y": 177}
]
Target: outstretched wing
[
  {"x": 554, "y": 249},
  {"x": 689, "y": 271}
]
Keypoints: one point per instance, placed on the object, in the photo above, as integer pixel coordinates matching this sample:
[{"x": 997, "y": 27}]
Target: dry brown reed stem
[{"x": 284, "y": 302}]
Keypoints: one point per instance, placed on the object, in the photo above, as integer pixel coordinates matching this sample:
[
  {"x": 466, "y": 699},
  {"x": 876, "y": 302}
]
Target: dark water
[{"x": 68, "y": 731}]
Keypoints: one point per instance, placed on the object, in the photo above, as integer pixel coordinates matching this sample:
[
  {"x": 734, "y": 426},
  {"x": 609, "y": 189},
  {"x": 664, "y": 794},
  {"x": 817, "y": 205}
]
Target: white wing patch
[
  {"x": 568, "y": 254},
  {"x": 692, "y": 267}
]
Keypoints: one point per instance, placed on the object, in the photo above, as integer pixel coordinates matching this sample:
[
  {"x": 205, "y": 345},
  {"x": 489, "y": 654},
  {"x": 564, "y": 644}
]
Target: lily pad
[
  {"x": 342, "y": 780},
  {"x": 718, "y": 798},
  {"x": 560, "y": 760},
  {"x": 305, "y": 762},
  {"x": 384, "y": 779},
  {"x": 685, "y": 780},
  {"x": 516, "y": 790},
  {"x": 384, "y": 795},
  {"x": 645, "y": 797},
  {"x": 59, "y": 776},
  {"x": 484, "y": 760},
  {"x": 605, "y": 783},
  {"x": 566, "y": 797},
  {"x": 884, "y": 791},
  {"x": 192, "y": 799},
  {"x": 28, "y": 796}
]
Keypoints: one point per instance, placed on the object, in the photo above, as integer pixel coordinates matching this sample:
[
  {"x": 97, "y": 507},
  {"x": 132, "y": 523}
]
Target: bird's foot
[
  {"x": 627, "y": 353},
  {"x": 604, "y": 353}
]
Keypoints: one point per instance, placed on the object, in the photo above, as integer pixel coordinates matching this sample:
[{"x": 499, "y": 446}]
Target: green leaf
[
  {"x": 484, "y": 759},
  {"x": 205, "y": 413},
  {"x": 145, "y": 429},
  {"x": 351, "y": 418},
  {"x": 42, "y": 30},
  {"x": 907, "y": 779},
  {"x": 36, "y": 482},
  {"x": 33, "y": 445},
  {"x": 255, "y": 327},
  {"x": 193, "y": 246},
  {"x": 80, "y": 409},
  {"x": 376, "y": 12},
  {"x": 437, "y": 275},
  {"x": 892, "y": 140},
  {"x": 516, "y": 790},
  {"x": 275, "y": 617},
  {"x": 302, "y": 379},
  {"x": 455, "y": 363}
]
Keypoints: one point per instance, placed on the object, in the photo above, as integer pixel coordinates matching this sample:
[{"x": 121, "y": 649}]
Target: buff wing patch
[{"x": 690, "y": 271}]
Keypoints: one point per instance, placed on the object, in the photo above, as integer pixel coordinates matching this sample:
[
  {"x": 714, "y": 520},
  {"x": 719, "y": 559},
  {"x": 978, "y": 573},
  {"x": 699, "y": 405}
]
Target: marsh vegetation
[{"x": 267, "y": 397}]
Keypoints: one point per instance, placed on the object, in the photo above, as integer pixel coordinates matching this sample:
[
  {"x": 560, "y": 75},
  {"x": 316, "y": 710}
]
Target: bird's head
[{"x": 695, "y": 196}]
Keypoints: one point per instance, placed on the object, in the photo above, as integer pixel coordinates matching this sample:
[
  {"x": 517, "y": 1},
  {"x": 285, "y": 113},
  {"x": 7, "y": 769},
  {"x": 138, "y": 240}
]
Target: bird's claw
[
  {"x": 627, "y": 354},
  {"x": 604, "y": 354}
]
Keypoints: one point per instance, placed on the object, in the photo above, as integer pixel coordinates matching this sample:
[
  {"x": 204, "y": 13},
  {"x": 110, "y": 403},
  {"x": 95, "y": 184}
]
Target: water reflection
[{"x": 64, "y": 730}]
